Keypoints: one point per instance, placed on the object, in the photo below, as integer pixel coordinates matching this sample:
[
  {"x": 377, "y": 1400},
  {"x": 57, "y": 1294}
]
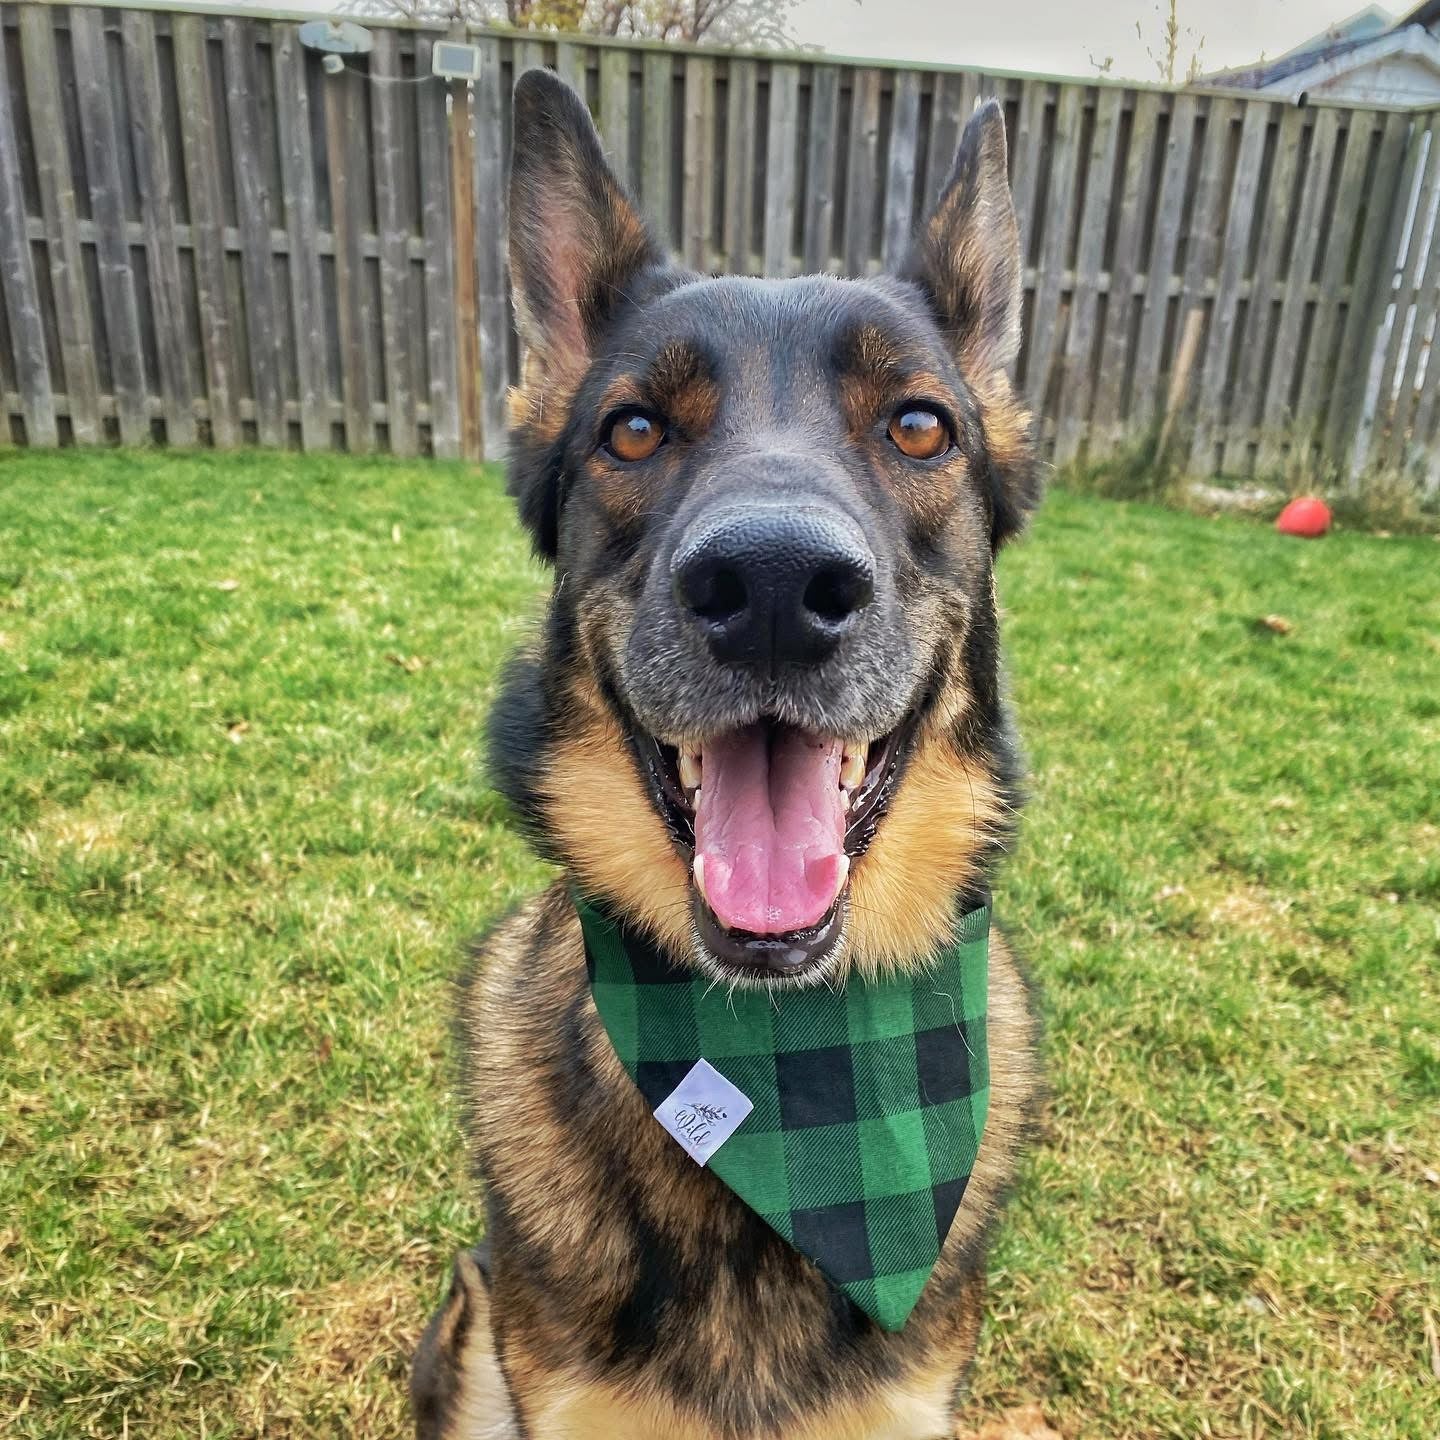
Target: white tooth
[
  {"x": 844, "y": 872},
  {"x": 690, "y": 769},
  {"x": 852, "y": 769},
  {"x": 700, "y": 877}
]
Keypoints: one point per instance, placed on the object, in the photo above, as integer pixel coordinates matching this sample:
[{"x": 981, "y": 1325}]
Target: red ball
[{"x": 1306, "y": 517}]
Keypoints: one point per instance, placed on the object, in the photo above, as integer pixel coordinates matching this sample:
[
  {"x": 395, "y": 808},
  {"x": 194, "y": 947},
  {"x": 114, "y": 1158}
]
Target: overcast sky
[
  {"x": 1057, "y": 37},
  {"x": 1060, "y": 36}
]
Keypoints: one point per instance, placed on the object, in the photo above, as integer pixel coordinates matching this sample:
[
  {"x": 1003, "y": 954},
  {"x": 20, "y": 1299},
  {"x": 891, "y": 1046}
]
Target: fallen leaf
[
  {"x": 227, "y": 585},
  {"x": 236, "y": 730},
  {"x": 1276, "y": 623},
  {"x": 410, "y": 664},
  {"x": 1169, "y": 892},
  {"x": 395, "y": 534}
]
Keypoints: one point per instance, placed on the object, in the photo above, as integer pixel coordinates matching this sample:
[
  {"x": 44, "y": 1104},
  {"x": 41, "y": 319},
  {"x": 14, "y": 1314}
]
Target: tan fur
[
  {"x": 902, "y": 891},
  {"x": 630, "y": 1294},
  {"x": 560, "y": 1205},
  {"x": 541, "y": 406},
  {"x": 483, "y": 1411},
  {"x": 927, "y": 848},
  {"x": 591, "y": 789},
  {"x": 1009, "y": 426},
  {"x": 596, "y": 1412}
]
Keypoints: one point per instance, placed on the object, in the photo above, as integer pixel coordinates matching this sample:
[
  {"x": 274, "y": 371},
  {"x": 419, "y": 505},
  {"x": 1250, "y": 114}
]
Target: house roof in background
[
  {"x": 1362, "y": 25},
  {"x": 1425, "y": 14},
  {"x": 1267, "y": 72},
  {"x": 1366, "y": 36}
]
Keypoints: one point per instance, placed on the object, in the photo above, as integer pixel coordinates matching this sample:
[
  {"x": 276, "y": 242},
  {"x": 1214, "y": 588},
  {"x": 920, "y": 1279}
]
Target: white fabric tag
[{"x": 703, "y": 1111}]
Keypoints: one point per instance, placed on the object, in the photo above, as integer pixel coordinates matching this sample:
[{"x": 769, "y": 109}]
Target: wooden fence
[{"x": 206, "y": 239}]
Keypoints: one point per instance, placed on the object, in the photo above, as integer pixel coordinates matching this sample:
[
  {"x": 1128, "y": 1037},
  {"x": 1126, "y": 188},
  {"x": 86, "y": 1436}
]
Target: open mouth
[{"x": 770, "y": 818}]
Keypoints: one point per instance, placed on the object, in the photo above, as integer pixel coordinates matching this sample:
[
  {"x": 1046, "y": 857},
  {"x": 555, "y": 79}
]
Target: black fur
[{"x": 786, "y": 390}]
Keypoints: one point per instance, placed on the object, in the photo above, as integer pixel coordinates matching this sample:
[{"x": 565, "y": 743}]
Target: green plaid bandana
[{"x": 868, "y": 1104}]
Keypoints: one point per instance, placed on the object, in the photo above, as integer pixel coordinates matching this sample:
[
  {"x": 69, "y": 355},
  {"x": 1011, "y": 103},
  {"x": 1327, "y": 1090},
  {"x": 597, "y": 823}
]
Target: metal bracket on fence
[{"x": 336, "y": 39}]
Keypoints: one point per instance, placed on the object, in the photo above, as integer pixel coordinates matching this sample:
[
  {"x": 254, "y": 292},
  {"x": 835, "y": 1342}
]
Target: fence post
[
  {"x": 489, "y": 180},
  {"x": 462, "y": 220}
]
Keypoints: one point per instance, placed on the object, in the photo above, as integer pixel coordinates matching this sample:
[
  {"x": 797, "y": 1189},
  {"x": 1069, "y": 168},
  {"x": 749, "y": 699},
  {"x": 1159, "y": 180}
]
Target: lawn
[{"x": 244, "y": 831}]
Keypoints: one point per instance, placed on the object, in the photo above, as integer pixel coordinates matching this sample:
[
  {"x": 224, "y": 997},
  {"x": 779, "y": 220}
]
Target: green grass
[{"x": 243, "y": 834}]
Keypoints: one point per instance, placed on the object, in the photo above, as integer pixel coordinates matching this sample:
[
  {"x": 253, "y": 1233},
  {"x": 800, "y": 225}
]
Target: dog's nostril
[
  {"x": 836, "y": 592},
  {"x": 719, "y": 595}
]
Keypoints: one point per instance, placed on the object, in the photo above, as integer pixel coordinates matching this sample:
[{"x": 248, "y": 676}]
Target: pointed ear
[
  {"x": 967, "y": 254},
  {"x": 575, "y": 238},
  {"x": 967, "y": 261}
]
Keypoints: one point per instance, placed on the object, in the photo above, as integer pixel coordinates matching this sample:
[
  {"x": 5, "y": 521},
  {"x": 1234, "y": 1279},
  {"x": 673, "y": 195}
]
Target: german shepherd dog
[{"x": 773, "y": 508}]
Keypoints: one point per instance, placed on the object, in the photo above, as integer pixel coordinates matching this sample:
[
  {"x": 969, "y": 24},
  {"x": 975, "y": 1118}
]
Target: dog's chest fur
[{"x": 632, "y": 1294}]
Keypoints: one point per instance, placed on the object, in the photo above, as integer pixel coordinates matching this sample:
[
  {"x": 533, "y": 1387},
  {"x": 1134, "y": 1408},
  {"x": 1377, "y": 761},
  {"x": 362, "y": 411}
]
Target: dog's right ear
[
  {"x": 577, "y": 245},
  {"x": 576, "y": 241}
]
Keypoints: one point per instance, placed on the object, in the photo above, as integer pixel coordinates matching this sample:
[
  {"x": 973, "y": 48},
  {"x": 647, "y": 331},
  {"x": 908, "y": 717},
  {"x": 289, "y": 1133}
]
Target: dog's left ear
[
  {"x": 967, "y": 254},
  {"x": 966, "y": 258}
]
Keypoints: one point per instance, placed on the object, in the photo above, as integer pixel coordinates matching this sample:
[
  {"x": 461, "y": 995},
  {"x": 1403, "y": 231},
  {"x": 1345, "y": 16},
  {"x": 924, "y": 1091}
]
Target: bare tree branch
[{"x": 754, "y": 23}]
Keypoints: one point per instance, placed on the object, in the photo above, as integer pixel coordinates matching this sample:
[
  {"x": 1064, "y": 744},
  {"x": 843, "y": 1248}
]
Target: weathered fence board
[
  {"x": 819, "y": 230},
  {"x": 491, "y": 210},
  {"x": 1156, "y": 317},
  {"x": 1047, "y": 332},
  {"x": 780, "y": 169},
  {"x": 657, "y": 158},
  {"x": 198, "y": 112},
  {"x": 1385, "y": 213},
  {"x": 247, "y": 248},
  {"x": 438, "y": 260},
  {"x": 101, "y": 142},
  {"x": 740, "y": 101},
  {"x": 1108, "y": 422},
  {"x": 395, "y": 230},
  {"x": 157, "y": 203},
  {"x": 699, "y": 199},
  {"x": 77, "y": 374},
  {"x": 17, "y": 273},
  {"x": 900, "y": 174},
  {"x": 1077, "y": 374},
  {"x": 863, "y": 173},
  {"x": 1278, "y": 412},
  {"x": 1317, "y": 376},
  {"x": 302, "y": 232}
]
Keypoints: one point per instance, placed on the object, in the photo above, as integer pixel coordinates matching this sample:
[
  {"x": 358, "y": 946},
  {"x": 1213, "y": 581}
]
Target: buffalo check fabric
[{"x": 868, "y": 1102}]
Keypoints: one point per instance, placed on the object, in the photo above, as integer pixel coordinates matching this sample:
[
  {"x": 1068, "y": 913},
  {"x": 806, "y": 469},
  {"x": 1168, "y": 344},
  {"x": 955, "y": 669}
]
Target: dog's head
[{"x": 765, "y": 720}]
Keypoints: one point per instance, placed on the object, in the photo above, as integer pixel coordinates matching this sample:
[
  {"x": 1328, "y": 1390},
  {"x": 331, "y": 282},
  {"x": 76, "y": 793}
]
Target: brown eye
[
  {"x": 633, "y": 435},
  {"x": 920, "y": 434}
]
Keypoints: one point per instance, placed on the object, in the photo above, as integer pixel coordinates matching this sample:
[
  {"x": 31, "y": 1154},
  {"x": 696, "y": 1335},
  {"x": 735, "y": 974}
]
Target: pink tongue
[{"x": 770, "y": 828}]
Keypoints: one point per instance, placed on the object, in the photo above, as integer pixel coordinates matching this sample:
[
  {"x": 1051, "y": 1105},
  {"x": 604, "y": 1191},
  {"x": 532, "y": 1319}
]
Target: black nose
[{"x": 772, "y": 584}]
